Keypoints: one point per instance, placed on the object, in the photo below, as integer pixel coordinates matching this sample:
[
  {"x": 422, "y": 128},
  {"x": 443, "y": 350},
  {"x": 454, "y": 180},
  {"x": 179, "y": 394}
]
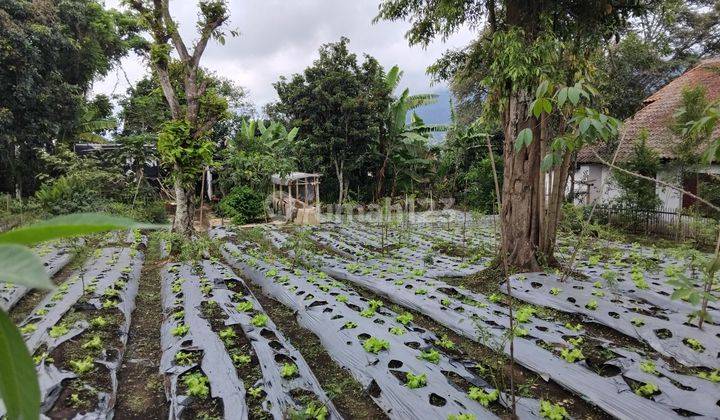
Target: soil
[
  {"x": 348, "y": 395},
  {"x": 140, "y": 390}
]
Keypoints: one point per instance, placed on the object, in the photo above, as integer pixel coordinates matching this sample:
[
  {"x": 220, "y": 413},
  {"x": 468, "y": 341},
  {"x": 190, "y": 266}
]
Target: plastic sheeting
[
  {"x": 269, "y": 346},
  {"x": 103, "y": 271},
  {"x": 478, "y": 322},
  {"x": 662, "y": 329},
  {"x": 54, "y": 258},
  {"x": 315, "y": 300}
]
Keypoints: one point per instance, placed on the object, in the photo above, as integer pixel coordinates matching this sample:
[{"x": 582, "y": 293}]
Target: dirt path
[{"x": 140, "y": 393}]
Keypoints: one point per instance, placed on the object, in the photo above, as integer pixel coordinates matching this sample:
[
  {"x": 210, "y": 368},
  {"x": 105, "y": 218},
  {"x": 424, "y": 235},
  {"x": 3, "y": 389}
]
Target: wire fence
[{"x": 663, "y": 222}]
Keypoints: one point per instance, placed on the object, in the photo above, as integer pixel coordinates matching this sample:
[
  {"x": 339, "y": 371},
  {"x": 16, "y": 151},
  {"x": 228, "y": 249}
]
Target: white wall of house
[{"x": 589, "y": 178}]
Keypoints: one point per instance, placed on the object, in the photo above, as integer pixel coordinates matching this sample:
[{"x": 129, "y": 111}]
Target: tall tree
[
  {"x": 523, "y": 45},
  {"x": 51, "y": 52},
  {"x": 339, "y": 106},
  {"x": 183, "y": 142}
]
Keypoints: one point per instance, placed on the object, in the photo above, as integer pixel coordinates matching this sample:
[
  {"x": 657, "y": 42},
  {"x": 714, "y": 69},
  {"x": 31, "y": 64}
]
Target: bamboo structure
[{"x": 301, "y": 202}]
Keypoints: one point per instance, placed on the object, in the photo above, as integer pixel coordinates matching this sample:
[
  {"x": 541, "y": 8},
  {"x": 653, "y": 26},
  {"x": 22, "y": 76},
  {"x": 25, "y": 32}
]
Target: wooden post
[
  {"x": 202, "y": 195},
  {"x": 305, "y": 199},
  {"x": 317, "y": 193}
]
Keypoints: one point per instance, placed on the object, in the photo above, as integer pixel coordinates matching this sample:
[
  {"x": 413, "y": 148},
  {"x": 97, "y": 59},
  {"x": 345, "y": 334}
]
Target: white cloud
[{"x": 281, "y": 37}]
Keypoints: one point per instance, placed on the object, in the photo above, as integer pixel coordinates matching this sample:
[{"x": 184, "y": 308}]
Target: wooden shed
[{"x": 297, "y": 197}]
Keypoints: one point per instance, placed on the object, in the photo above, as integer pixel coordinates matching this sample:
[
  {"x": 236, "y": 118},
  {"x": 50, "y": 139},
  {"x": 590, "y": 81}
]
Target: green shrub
[{"x": 243, "y": 205}]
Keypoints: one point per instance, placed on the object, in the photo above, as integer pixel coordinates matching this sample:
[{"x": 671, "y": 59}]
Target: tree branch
[
  {"x": 207, "y": 32},
  {"x": 172, "y": 30}
]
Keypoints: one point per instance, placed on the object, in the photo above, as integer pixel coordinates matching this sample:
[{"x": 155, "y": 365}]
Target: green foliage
[
  {"x": 572, "y": 355},
  {"x": 552, "y": 411},
  {"x": 180, "y": 330},
  {"x": 82, "y": 366},
  {"x": 482, "y": 396},
  {"x": 648, "y": 366},
  {"x": 243, "y": 205},
  {"x": 179, "y": 149},
  {"x": 636, "y": 192},
  {"x": 289, "y": 370},
  {"x": 196, "y": 384},
  {"x": 432, "y": 356},
  {"x": 416, "y": 381},
  {"x": 259, "y": 320},
  {"x": 647, "y": 390},
  {"x": 375, "y": 345}
]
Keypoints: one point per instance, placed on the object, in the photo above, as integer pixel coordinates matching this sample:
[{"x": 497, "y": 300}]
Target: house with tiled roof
[{"x": 655, "y": 119}]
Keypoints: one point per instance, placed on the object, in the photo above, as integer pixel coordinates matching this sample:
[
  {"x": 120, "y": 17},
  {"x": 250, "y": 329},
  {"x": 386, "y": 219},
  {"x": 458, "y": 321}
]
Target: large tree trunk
[
  {"x": 184, "y": 209},
  {"x": 520, "y": 213}
]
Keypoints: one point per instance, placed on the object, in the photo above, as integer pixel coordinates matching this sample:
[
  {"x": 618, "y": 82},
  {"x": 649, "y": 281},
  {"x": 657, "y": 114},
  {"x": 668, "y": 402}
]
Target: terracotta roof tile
[{"x": 658, "y": 111}]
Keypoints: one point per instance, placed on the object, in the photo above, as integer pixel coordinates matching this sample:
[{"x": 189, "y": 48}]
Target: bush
[{"x": 243, "y": 205}]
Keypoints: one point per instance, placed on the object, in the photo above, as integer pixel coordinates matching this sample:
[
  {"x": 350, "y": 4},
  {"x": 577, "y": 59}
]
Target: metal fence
[{"x": 663, "y": 222}]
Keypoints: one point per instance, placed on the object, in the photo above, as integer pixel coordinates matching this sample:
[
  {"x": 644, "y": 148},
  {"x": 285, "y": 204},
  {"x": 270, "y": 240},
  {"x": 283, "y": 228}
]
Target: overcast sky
[{"x": 281, "y": 37}]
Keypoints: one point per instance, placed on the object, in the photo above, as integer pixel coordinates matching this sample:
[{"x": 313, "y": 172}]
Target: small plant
[
  {"x": 259, "y": 320},
  {"x": 592, "y": 304},
  {"x": 58, "y": 330},
  {"x": 98, "y": 322},
  {"x": 109, "y": 304},
  {"x": 576, "y": 341},
  {"x": 524, "y": 314},
  {"x": 183, "y": 358},
  {"x": 350, "y": 325},
  {"x": 82, "y": 366},
  {"x": 421, "y": 291},
  {"x": 397, "y": 330},
  {"x": 289, "y": 370},
  {"x": 495, "y": 298},
  {"x": 227, "y": 335},
  {"x": 638, "y": 322},
  {"x": 648, "y": 366},
  {"x": 555, "y": 291},
  {"x": 314, "y": 412},
  {"x": 519, "y": 331},
  {"x": 461, "y": 416},
  {"x": 432, "y": 356},
  {"x": 552, "y": 411},
  {"x": 178, "y": 315},
  {"x": 576, "y": 327},
  {"x": 647, "y": 390},
  {"x": 694, "y": 344},
  {"x": 180, "y": 330},
  {"x": 416, "y": 381},
  {"x": 445, "y": 342},
  {"x": 29, "y": 328},
  {"x": 245, "y": 306},
  {"x": 713, "y": 376},
  {"x": 367, "y": 313},
  {"x": 341, "y": 298},
  {"x": 44, "y": 356},
  {"x": 637, "y": 277},
  {"x": 404, "y": 318},
  {"x": 255, "y": 392},
  {"x": 482, "y": 396},
  {"x": 572, "y": 355},
  {"x": 197, "y": 385},
  {"x": 241, "y": 359},
  {"x": 94, "y": 343},
  {"x": 375, "y": 345}
]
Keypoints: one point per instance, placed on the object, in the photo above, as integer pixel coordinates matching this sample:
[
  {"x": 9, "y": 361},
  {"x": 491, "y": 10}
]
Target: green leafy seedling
[
  {"x": 482, "y": 396},
  {"x": 245, "y": 306},
  {"x": 180, "y": 330},
  {"x": 647, "y": 390},
  {"x": 552, "y": 411},
  {"x": 397, "y": 330},
  {"x": 350, "y": 325},
  {"x": 432, "y": 356},
  {"x": 259, "y": 320},
  {"x": 289, "y": 370},
  {"x": 58, "y": 330},
  {"x": 197, "y": 385},
  {"x": 95, "y": 343},
  {"x": 82, "y": 366},
  {"x": 416, "y": 381},
  {"x": 375, "y": 345},
  {"x": 572, "y": 355},
  {"x": 404, "y": 318}
]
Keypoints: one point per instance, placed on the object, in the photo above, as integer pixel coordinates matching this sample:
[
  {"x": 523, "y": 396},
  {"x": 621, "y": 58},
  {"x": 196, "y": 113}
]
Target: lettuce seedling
[
  {"x": 184, "y": 359},
  {"x": 259, "y": 320},
  {"x": 404, "y": 318},
  {"x": 180, "y": 330},
  {"x": 445, "y": 342},
  {"x": 524, "y": 313},
  {"x": 196, "y": 384},
  {"x": 58, "y": 330},
  {"x": 576, "y": 327},
  {"x": 350, "y": 325},
  {"x": 289, "y": 370},
  {"x": 375, "y": 345},
  {"x": 461, "y": 416},
  {"x": 245, "y": 306},
  {"x": 555, "y": 291},
  {"x": 82, "y": 366},
  {"x": 416, "y": 381},
  {"x": 638, "y": 322},
  {"x": 95, "y": 343},
  {"x": 341, "y": 298},
  {"x": 694, "y": 344},
  {"x": 592, "y": 304},
  {"x": 482, "y": 396},
  {"x": 29, "y": 328},
  {"x": 432, "y": 356},
  {"x": 713, "y": 376},
  {"x": 315, "y": 412},
  {"x": 227, "y": 335},
  {"x": 647, "y": 390},
  {"x": 572, "y": 355},
  {"x": 397, "y": 330},
  {"x": 255, "y": 392},
  {"x": 98, "y": 322},
  {"x": 241, "y": 359},
  {"x": 648, "y": 366},
  {"x": 552, "y": 411}
]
